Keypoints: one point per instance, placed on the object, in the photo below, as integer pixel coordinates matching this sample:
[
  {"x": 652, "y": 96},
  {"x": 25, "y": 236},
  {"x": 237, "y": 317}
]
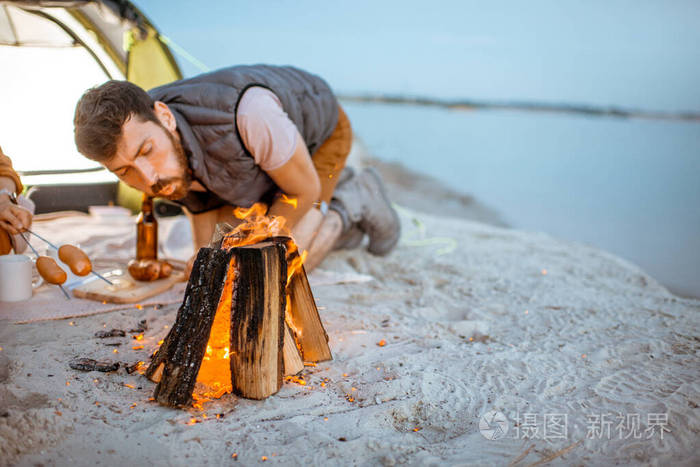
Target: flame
[
  {"x": 215, "y": 372},
  {"x": 141, "y": 368},
  {"x": 198, "y": 401},
  {"x": 258, "y": 227},
  {"x": 291, "y": 201},
  {"x": 256, "y": 210}
]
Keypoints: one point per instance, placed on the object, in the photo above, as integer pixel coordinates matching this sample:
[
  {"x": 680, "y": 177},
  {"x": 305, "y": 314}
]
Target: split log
[
  {"x": 305, "y": 321},
  {"x": 257, "y": 319},
  {"x": 293, "y": 363},
  {"x": 176, "y": 364}
]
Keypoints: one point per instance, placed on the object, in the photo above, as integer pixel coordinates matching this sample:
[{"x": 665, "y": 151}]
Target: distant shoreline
[{"x": 526, "y": 106}]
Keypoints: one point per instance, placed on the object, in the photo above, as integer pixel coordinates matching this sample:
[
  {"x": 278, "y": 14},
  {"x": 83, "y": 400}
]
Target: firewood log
[
  {"x": 305, "y": 321},
  {"x": 293, "y": 363},
  {"x": 257, "y": 319},
  {"x": 176, "y": 364}
]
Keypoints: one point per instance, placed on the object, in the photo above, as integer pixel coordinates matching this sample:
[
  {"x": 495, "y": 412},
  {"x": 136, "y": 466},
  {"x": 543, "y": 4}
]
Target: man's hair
[{"x": 101, "y": 112}]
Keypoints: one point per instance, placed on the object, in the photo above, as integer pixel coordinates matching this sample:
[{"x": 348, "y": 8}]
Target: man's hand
[{"x": 14, "y": 219}]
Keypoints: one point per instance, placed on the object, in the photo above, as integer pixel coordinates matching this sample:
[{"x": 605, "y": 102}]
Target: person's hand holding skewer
[{"x": 13, "y": 217}]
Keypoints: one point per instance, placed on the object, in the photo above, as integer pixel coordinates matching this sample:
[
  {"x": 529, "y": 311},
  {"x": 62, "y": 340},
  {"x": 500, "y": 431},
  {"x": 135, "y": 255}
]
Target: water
[{"x": 628, "y": 186}]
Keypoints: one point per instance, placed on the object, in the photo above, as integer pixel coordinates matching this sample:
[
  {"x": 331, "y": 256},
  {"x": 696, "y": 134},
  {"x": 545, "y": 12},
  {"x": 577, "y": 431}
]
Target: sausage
[
  {"x": 76, "y": 259},
  {"x": 50, "y": 271},
  {"x": 145, "y": 269},
  {"x": 149, "y": 269},
  {"x": 165, "y": 269}
]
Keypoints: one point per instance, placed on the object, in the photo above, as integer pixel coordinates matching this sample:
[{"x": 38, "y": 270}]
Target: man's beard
[{"x": 181, "y": 183}]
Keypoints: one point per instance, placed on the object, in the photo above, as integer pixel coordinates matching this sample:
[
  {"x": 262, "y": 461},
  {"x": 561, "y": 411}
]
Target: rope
[
  {"x": 450, "y": 244},
  {"x": 183, "y": 53}
]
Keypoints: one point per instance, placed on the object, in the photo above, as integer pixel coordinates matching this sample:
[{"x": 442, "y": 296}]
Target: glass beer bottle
[{"x": 146, "y": 231}]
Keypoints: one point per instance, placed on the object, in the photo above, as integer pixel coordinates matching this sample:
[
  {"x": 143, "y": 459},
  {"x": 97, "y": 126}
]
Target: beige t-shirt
[{"x": 265, "y": 128}]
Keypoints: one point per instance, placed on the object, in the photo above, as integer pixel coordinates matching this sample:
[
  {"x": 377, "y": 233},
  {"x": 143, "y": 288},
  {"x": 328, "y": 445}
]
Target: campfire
[{"x": 248, "y": 318}]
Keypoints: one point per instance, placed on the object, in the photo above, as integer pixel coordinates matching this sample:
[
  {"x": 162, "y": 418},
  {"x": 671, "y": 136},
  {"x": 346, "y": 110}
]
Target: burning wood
[
  {"x": 111, "y": 333},
  {"x": 176, "y": 364},
  {"x": 305, "y": 321},
  {"x": 88, "y": 364},
  {"x": 247, "y": 319},
  {"x": 257, "y": 332}
]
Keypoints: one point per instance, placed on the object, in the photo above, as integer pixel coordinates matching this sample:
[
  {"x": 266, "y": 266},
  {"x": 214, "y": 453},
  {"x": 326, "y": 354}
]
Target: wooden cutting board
[{"x": 127, "y": 289}]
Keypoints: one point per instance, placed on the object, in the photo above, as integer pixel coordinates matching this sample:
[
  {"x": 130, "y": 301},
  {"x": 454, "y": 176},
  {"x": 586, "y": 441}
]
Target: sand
[{"x": 475, "y": 318}]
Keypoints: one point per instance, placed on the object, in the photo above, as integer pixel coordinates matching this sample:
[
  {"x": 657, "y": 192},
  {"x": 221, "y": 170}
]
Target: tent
[{"x": 50, "y": 53}]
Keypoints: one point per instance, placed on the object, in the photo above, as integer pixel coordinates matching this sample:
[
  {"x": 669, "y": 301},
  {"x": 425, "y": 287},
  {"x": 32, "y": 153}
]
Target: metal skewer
[
  {"x": 21, "y": 234},
  {"x": 29, "y": 244},
  {"x": 42, "y": 238},
  {"x": 56, "y": 248},
  {"x": 64, "y": 291},
  {"x": 102, "y": 277}
]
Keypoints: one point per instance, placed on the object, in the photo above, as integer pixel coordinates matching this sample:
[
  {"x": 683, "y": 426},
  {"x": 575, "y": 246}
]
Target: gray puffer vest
[{"x": 205, "y": 110}]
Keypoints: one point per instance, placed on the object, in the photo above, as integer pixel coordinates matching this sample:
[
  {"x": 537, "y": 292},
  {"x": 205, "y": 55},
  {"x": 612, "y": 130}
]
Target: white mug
[{"x": 15, "y": 278}]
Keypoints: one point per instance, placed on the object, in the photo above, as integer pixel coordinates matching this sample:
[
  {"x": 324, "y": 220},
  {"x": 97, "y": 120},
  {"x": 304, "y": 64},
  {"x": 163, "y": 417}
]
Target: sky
[{"x": 636, "y": 54}]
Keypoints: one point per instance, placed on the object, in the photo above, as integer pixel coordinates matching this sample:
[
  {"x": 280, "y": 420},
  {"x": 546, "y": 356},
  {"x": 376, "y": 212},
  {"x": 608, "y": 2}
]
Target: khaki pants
[{"x": 330, "y": 158}]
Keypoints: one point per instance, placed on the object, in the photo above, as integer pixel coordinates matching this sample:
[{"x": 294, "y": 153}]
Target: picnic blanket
[{"x": 109, "y": 239}]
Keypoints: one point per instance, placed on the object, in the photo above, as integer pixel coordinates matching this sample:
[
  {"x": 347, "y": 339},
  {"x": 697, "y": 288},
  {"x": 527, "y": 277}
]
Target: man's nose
[{"x": 147, "y": 171}]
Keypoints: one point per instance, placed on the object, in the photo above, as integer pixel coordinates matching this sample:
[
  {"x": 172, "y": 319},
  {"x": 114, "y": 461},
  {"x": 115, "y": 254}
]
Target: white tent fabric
[
  {"x": 20, "y": 28},
  {"x": 44, "y": 72}
]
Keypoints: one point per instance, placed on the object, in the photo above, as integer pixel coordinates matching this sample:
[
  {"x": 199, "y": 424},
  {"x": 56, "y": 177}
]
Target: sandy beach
[{"x": 587, "y": 359}]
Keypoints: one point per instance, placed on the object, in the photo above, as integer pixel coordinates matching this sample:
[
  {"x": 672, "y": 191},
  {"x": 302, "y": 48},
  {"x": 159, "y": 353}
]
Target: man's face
[{"x": 150, "y": 158}]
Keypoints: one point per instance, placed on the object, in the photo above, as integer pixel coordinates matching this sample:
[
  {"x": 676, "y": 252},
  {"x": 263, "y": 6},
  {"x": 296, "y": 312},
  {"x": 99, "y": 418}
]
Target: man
[
  {"x": 238, "y": 136},
  {"x": 15, "y": 214}
]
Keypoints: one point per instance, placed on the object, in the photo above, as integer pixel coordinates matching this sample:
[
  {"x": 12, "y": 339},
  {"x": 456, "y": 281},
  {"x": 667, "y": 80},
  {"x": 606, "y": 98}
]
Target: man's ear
[{"x": 165, "y": 116}]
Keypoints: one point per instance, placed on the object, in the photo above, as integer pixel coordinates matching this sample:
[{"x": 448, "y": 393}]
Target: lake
[{"x": 629, "y": 186}]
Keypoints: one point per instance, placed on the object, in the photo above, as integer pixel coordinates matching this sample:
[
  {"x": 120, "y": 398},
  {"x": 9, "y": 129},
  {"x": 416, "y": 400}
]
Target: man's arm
[
  {"x": 300, "y": 186},
  {"x": 8, "y": 177},
  {"x": 280, "y": 151},
  {"x": 203, "y": 225}
]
